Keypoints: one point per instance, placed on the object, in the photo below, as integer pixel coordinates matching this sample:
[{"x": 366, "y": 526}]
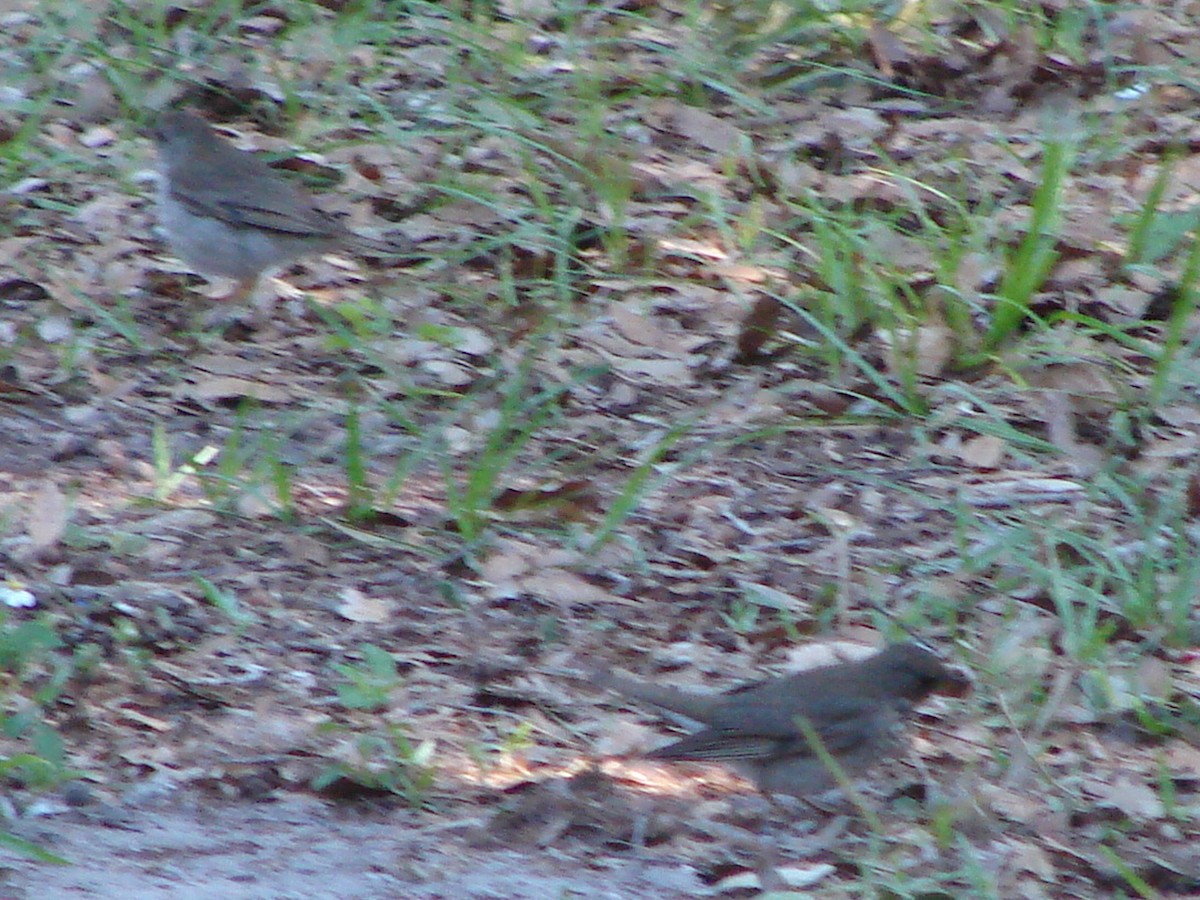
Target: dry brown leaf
[
  {"x": 1137, "y": 800},
  {"x": 358, "y": 607},
  {"x": 825, "y": 653},
  {"x": 230, "y": 388},
  {"x": 305, "y": 549},
  {"x": 448, "y": 372},
  {"x": 758, "y": 326},
  {"x": 983, "y": 452},
  {"x": 935, "y": 348},
  {"x": 668, "y": 372},
  {"x": 1029, "y": 857},
  {"x": 1184, "y": 758},
  {"x": 639, "y": 328},
  {"x": 566, "y": 588},
  {"x": 47, "y": 517},
  {"x": 709, "y": 131},
  {"x": 152, "y": 722}
]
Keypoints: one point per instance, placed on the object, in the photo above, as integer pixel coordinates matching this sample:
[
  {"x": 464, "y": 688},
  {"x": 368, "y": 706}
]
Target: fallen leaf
[
  {"x": 1136, "y": 800},
  {"x": 358, "y": 607},
  {"x": 48, "y": 516}
]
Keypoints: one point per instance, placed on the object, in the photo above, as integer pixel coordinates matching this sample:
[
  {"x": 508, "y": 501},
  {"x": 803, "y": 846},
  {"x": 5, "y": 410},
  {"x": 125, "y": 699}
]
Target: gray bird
[
  {"x": 855, "y": 708},
  {"x": 226, "y": 212}
]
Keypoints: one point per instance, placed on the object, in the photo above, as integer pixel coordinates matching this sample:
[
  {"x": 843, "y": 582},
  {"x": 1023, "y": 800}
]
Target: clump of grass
[
  {"x": 33, "y": 755},
  {"x": 387, "y": 758}
]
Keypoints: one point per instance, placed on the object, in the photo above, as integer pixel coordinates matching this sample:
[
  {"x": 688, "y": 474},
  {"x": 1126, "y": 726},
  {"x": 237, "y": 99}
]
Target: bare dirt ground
[
  {"x": 560, "y": 443},
  {"x": 302, "y": 847}
]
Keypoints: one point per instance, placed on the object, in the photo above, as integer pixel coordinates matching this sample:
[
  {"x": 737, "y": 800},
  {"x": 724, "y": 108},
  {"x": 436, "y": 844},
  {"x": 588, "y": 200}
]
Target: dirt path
[{"x": 300, "y": 847}]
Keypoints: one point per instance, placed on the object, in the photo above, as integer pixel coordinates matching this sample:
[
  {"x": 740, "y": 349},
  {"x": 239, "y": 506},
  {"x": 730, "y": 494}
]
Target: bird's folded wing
[
  {"x": 841, "y": 722},
  {"x": 711, "y": 744},
  {"x": 302, "y": 224},
  {"x": 271, "y": 206},
  {"x": 878, "y": 729},
  {"x": 393, "y": 244},
  {"x": 774, "y": 712},
  {"x": 873, "y": 727}
]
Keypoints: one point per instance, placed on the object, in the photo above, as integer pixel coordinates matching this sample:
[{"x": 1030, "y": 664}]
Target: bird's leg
[{"x": 242, "y": 291}]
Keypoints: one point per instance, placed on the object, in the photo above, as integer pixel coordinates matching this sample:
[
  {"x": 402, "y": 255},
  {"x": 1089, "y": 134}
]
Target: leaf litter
[{"x": 681, "y": 319}]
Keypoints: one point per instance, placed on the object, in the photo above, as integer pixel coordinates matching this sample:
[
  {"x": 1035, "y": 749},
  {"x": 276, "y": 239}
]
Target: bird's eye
[{"x": 928, "y": 681}]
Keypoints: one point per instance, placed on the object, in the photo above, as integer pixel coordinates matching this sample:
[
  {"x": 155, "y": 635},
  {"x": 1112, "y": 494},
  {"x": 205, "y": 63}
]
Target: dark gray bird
[
  {"x": 226, "y": 212},
  {"x": 854, "y": 708}
]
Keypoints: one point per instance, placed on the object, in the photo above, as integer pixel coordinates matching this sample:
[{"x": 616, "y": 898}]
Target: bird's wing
[
  {"x": 297, "y": 222},
  {"x": 718, "y": 745},
  {"x": 844, "y": 729},
  {"x": 272, "y": 211},
  {"x": 875, "y": 725},
  {"x": 254, "y": 196},
  {"x": 838, "y": 720}
]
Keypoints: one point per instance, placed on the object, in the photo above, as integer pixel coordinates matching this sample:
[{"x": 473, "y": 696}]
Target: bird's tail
[
  {"x": 693, "y": 706},
  {"x": 393, "y": 244}
]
